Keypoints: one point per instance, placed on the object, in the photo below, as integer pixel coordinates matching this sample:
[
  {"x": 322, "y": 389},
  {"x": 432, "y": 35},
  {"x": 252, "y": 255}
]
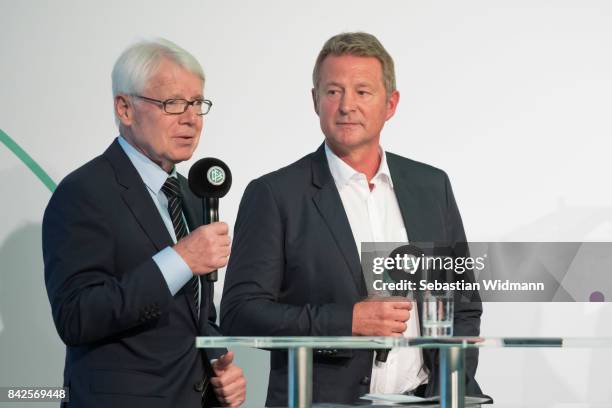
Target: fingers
[
  {"x": 406, "y": 305},
  {"x": 229, "y": 383},
  {"x": 383, "y": 318},
  {"x": 225, "y": 241},
  {"x": 220, "y": 228},
  {"x": 219, "y": 259},
  {"x": 234, "y": 400},
  {"x": 397, "y": 328},
  {"x": 206, "y": 248},
  {"x": 224, "y": 361},
  {"x": 398, "y": 315},
  {"x": 396, "y": 311},
  {"x": 391, "y": 328}
]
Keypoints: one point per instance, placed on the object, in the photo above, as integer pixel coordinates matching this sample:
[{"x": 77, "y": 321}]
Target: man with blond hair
[
  {"x": 295, "y": 268},
  {"x": 125, "y": 251}
]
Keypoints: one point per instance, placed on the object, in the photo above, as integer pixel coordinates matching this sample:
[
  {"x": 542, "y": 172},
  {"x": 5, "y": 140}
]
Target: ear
[
  {"x": 315, "y": 100},
  {"x": 392, "y": 102},
  {"x": 124, "y": 110}
]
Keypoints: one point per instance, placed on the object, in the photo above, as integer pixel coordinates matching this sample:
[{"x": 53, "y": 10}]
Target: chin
[
  {"x": 182, "y": 156},
  {"x": 348, "y": 141}
]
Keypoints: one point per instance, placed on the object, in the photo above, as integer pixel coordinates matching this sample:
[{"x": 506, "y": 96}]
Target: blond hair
[{"x": 359, "y": 44}]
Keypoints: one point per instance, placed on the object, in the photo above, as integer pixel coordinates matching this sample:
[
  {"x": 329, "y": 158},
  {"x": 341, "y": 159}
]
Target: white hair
[{"x": 139, "y": 62}]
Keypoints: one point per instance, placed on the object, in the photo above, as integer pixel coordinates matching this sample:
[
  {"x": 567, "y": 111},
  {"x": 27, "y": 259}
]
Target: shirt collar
[
  {"x": 152, "y": 175},
  {"x": 343, "y": 173}
]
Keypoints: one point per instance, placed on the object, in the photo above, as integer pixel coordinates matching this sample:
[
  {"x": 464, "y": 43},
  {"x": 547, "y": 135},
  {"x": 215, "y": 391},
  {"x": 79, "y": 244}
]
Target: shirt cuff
[{"x": 174, "y": 269}]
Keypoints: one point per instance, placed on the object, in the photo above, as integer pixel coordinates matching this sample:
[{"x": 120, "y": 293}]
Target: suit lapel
[
  {"x": 137, "y": 197},
  {"x": 328, "y": 202},
  {"x": 409, "y": 203}
]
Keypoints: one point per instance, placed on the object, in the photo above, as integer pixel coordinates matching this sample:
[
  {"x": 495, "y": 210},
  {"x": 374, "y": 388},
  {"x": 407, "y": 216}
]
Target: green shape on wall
[{"x": 27, "y": 160}]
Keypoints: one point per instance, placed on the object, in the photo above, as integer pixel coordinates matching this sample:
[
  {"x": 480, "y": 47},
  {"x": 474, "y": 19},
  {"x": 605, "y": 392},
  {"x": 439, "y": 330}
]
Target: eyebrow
[
  {"x": 333, "y": 83},
  {"x": 358, "y": 85},
  {"x": 179, "y": 96}
]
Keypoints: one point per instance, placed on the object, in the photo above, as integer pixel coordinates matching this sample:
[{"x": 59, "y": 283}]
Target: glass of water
[{"x": 438, "y": 314}]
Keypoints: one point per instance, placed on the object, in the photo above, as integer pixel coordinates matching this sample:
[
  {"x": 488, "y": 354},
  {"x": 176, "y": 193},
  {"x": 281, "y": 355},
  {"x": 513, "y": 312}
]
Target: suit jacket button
[
  {"x": 365, "y": 380},
  {"x": 199, "y": 386}
]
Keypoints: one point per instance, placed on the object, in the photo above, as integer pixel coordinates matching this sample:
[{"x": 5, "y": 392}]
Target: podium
[{"x": 451, "y": 356}]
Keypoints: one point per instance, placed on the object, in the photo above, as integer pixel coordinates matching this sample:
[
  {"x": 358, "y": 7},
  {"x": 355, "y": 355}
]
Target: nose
[
  {"x": 347, "y": 103},
  {"x": 189, "y": 117}
]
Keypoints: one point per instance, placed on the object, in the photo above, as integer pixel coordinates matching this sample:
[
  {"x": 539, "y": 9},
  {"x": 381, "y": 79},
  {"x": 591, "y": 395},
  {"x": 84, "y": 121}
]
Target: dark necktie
[{"x": 172, "y": 191}]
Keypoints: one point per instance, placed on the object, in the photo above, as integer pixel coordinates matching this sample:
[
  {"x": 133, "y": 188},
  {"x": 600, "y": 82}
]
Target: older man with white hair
[{"x": 125, "y": 250}]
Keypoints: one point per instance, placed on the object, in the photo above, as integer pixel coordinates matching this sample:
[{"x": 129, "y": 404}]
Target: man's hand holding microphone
[{"x": 206, "y": 248}]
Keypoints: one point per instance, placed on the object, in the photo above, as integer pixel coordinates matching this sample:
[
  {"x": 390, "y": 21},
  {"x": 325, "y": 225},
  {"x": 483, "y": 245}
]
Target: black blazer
[
  {"x": 295, "y": 270},
  {"x": 129, "y": 342}
]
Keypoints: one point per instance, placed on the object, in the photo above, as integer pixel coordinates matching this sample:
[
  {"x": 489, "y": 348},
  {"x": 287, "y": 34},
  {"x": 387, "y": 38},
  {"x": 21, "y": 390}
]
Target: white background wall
[{"x": 511, "y": 98}]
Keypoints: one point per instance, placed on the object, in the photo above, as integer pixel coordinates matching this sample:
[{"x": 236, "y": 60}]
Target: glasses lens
[
  {"x": 199, "y": 107},
  {"x": 176, "y": 106},
  {"x": 205, "y": 106}
]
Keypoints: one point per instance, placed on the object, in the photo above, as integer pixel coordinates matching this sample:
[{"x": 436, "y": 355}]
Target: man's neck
[
  {"x": 167, "y": 167},
  {"x": 364, "y": 160}
]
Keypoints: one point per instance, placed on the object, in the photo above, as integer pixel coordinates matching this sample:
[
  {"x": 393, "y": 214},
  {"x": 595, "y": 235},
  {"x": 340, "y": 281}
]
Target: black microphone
[
  {"x": 210, "y": 179},
  {"x": 397, "y": 275},
  {"x": 381, "y": 355}
]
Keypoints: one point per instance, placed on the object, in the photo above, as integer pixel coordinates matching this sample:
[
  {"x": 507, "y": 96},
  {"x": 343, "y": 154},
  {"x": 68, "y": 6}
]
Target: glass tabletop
[{"x": 359, "y": 342}]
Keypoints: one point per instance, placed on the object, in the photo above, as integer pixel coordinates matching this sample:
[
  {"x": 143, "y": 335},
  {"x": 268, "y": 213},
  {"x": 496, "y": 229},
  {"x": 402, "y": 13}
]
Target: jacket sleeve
[
  {"x": 90, "y": 299},
  {"x": 253, "y": 293},
  {"x": 468, "y": 307}
]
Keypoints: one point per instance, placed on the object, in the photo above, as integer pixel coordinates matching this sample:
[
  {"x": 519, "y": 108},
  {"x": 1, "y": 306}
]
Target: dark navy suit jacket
[
  {"x": 295, "y": 270},
  {"x": 129, "y": 342}
]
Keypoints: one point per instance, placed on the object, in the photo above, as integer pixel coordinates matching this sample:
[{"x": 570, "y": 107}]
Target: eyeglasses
[{"x": 179, "y": 106}]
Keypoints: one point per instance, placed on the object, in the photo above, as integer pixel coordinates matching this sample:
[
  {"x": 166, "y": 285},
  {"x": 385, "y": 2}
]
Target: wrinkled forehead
[{"x": 354, "y": 67}]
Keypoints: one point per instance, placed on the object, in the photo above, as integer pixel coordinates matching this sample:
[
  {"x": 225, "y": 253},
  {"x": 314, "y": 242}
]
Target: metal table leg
[
  {"x": 300, "y": 377},
  {"x": 452, "y": 377}
]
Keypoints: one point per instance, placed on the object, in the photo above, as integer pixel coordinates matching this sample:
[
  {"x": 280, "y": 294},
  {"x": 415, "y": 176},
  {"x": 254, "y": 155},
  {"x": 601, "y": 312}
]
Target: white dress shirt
[{"x": 374, "y": 216}]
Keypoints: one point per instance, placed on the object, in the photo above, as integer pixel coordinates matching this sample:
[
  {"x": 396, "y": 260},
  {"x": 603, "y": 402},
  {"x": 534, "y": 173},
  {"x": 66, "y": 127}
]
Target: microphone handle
[
  {"x": 212, "y": 204},
  {"x": 381, "y": 355}
]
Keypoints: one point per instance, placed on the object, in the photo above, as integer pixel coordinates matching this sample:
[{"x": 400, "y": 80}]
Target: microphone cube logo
[{"x": 215, "y": 175}]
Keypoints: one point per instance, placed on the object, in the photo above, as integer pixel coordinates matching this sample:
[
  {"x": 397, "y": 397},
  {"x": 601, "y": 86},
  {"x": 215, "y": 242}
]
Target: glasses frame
[{"x": 163, "y": 104}]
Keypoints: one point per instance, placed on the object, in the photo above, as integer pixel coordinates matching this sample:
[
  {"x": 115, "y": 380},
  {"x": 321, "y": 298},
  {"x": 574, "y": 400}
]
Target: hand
[
  {"x": 206, "y": 248},
  {"x": 228, "y": 383},
  {"x": 381, "y": 318}
]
